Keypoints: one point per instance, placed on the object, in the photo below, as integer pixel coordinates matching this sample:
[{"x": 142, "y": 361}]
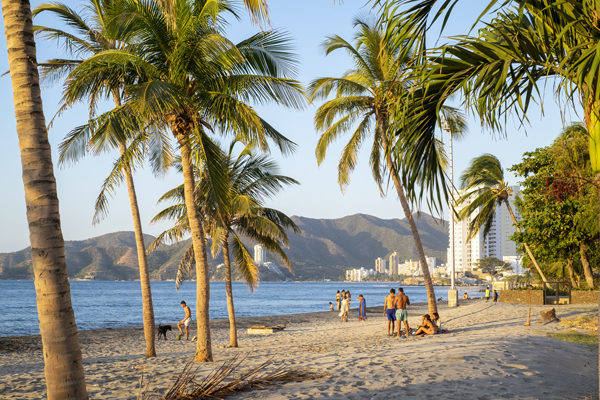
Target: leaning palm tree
[
  {"x": 365, "y": 101},
  {"x": 185, "y": 76},
  {"x": 63, "y": 364},
  {"x": 92, "y": 33},
  {"x": 251, "y": 178},
  {"x": 484, "y": 189}
]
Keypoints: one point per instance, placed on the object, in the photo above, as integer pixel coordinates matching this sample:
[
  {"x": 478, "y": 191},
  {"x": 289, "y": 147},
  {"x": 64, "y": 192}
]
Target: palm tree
[
  {"x": 365, "y": 100},
  {"x": 185, "y": 76},
  {"x": 485, "y": 190},
  {"x": 92, "y": 34},
  {"x": 250, "y": 179},
  {"x": 63, "y": 364}
]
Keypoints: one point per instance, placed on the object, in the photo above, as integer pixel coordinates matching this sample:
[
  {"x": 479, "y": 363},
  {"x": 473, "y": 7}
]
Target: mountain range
[{"x": 324, "y": 249}]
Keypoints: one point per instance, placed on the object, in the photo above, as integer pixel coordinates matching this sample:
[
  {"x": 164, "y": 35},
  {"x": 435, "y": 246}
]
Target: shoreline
[{"x": 487, "y": 351}]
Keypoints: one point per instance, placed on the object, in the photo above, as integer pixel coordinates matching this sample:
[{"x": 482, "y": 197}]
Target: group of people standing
[{"x": 343, "y": 301}]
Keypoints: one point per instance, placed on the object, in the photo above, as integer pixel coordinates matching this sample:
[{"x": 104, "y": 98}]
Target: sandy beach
[{"x": 488, "y": 354}]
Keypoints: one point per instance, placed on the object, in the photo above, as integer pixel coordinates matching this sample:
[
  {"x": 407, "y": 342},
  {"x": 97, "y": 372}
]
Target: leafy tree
[
  {"x": 251, "y": 178},
  {"x": 484, "y": 190},
  {"x": 63, "y": 363},
  {"x": 90, "y": 33},
  {"x": 492, "y": 265},
  {"x": 364, "y": 103},
  {"x": 558, "y": 209}
]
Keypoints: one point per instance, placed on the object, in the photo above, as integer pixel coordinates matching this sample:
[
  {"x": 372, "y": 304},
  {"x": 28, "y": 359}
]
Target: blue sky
[{"x": 318, "y": 196}]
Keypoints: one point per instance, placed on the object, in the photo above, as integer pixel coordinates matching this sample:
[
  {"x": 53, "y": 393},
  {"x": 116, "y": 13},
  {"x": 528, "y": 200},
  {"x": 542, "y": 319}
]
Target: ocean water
[{"x": 104, "y": 304}]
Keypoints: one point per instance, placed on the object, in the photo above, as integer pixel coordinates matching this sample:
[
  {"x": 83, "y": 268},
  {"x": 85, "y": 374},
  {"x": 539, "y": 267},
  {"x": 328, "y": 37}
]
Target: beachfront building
[
  {"x": 380, "y": 265},
  {"x": 393, "y": 264},
  {"x": 357, "y": 275},
  {"x": 496, "y": 244},
  {"x": 260, "y": 254}
]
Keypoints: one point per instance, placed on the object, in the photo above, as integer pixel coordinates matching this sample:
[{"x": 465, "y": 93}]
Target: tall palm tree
[
  {"x": 251, "y": 178},
  {"x": 485, "y": 190},
  {"x": 365, "y": 100},
  {"x": 92, "y": 34},
  {"x": 63, "y": 364},
  {"x": 185, "y": 76}
]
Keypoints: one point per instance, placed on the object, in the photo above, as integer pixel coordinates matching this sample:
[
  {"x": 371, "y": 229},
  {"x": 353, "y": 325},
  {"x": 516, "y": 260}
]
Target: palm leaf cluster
[{"x": 251, "y": 179}]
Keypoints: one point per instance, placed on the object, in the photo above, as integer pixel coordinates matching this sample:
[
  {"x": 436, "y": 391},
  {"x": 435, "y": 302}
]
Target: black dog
[{"x": 162, "y": 330}]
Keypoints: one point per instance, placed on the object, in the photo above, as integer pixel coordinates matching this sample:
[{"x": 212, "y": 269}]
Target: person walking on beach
[
  {"x": 362, "y": 308},
  {"x": 338, "y": 299},
  {"x": 487, "y": 294},
  {"x": 401, "y": 313},
  {"x": 185, "y": 321},
  {"x": 495, "y": 299},
  {"x": 389, "y": 310}
]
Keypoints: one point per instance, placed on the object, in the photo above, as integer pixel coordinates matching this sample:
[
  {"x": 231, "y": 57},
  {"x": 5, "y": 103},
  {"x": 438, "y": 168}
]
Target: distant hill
[{"x": 325, "y": 248}]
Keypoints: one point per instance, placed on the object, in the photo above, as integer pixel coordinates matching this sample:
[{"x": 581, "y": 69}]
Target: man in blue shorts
[{"x": 389, "y": 310}]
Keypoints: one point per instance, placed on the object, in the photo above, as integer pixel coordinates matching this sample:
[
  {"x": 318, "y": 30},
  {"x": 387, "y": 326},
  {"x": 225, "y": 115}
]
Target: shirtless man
[
  {"x": 389, "y": 310},
  {"x": 401, "y": 314},
  {"x": 185, "y": 321}
]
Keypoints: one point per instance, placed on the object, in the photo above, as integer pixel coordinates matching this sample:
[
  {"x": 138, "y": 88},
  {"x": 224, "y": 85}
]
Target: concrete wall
[
  {"x": 584, "y": 296},
  {"x": 522, "y": 296}
]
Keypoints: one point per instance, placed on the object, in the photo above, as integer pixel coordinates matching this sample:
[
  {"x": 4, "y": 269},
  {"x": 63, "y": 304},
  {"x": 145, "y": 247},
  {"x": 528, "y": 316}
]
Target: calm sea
[{"x": 103, "y": 304}]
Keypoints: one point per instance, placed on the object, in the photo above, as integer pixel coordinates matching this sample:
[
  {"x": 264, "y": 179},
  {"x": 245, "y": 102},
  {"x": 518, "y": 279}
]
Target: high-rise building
[
  {"x": 380, "y": 265},
  {"x": 497, "y": 243},
  {"x": 393, "y": 264},
  {"x": 260, "y": 254}
]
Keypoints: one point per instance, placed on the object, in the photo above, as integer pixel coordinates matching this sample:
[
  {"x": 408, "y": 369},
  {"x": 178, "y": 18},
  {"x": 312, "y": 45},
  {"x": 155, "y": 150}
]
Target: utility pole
[{"x": 452, "y": 293}]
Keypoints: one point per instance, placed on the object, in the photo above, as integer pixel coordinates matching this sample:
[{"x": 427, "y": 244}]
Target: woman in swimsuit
[
  {"x": 427, "y": 327},
  {"x": 362, "y": 312}
]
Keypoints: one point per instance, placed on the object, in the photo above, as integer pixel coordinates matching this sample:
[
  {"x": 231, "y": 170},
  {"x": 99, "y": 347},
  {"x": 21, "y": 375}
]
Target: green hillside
[{"x": 325, "y": 248}]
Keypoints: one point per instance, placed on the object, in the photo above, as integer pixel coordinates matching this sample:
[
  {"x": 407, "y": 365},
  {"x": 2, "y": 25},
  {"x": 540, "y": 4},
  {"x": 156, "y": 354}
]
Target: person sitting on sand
[
  {"x": 362, "y": 308},
  {"x": 465, "y": 296},
  {"x": 436, "y": 320},
  {"x": 401, "y": 313},
  {"x": 185, "y": 321},
  {"x": 344, "y": 310},
  {"x": 330, "y": 306},
  {"x": 427, "y": 327},
  {"x": 389, "y": 310},
  {"x": 338, "y": 300}
]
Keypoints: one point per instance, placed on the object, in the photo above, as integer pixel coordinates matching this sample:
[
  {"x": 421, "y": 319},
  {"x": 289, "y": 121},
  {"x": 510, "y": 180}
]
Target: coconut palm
[
  {"x": 485, "y": 190},
  {"x": 63, "y": 364},
  {"x": 91, "y": 34},
  {"x": 185, "y": 76},
  {"x": 365, "y": 103},
  {"x": 251, "y": 178}
]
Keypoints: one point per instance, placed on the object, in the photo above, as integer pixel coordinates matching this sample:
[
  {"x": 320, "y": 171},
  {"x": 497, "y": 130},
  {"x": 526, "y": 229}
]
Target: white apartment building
[
  {"x": 357, "y": 275},
  {"x": 496, "y": 244},
  {"x": 380, "y": 265},
  {"x": 393, "y": 264},
  {"x": 260, "y": 254}
]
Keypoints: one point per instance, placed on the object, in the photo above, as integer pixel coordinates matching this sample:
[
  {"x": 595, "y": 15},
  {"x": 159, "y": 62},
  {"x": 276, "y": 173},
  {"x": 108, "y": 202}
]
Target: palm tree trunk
[
  {"x": 431, "y": 300},
  {"x": 587, "y": 270},
  {"x": 147, "y": 307},
  {"x": 229, "y": 291},
  {"x": 203, "y": 346},
  {"x": 529, "y": 253},
  {"x": 572, "y": 273},
  {"x": 63, "y": 365}
]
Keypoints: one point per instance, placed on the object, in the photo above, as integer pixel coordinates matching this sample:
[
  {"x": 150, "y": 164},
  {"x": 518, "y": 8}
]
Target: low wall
[
  {"x": 584, "y": 296},
  {"x": 522, "y": 296}
]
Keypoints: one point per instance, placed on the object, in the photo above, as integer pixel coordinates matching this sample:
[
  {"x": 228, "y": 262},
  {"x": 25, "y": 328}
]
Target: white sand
[{"x": 489, "y": 354}]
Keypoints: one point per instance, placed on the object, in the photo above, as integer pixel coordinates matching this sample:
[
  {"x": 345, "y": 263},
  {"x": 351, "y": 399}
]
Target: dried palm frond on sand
[{"x": 225, "y": 381}]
